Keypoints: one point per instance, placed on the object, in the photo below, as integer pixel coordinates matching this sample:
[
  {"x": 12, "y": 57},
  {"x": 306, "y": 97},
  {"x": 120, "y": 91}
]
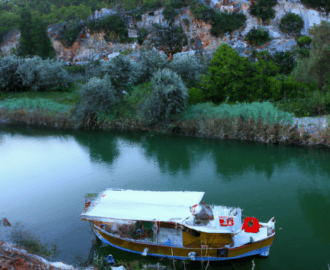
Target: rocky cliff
[{"x": 95, "y": 47}]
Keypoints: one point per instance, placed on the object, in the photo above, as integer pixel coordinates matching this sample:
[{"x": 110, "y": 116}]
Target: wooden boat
[{"x": 175, "y": 225}]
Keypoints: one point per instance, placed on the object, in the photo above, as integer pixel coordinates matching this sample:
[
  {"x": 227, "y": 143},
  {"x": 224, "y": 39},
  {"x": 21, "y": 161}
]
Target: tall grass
[
  {"x": 265, "y": 110},
  {"x": 33, "y": 104}
]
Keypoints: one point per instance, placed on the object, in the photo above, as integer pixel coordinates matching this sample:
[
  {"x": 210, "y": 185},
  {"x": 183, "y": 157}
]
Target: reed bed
[
  {"x": 38, "y": 117},
  {"x": 202, "y": 120}
]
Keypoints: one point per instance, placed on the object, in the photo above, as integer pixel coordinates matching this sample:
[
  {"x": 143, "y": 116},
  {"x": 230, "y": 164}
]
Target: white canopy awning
[{"x": 142, "y": 205}]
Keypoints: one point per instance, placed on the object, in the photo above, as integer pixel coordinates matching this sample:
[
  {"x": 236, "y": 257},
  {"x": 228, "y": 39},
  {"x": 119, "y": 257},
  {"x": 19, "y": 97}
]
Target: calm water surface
[{"x": 44, "y": 176}]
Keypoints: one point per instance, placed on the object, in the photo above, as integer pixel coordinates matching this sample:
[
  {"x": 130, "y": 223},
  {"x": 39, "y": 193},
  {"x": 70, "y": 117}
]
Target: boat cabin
[{"x": 177, "y": 219}]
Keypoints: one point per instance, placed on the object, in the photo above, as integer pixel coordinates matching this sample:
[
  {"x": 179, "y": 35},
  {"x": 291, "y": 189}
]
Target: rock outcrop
[
  {"x": 198, "y": 33},
  {"x": 15, "y": 258}
]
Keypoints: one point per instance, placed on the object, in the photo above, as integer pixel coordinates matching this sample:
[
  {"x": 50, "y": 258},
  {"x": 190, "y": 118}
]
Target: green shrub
[
  {"x": 186, "y": 22},
  {"x": 19, "y": 74},
  {"x": 224, "y": 22},
  {"x": 171, "y": 38},
  {"x": 149, "y": 5},
  {"x": 286, "y": 86},
  {"x": 316, "y": 67},
  {"x": 285, "y": 61},
  {"x": 120, "y": 72},
  {"x": 258, "y": 36},
  {"x": 113, "y": 26},
  {"x": 70, "y": 33},
  {"x": 201, "y": 11},
  {"x": 196, "y": 95},
  {"x": 313, "y": 104},
  {"x": 291, "y": 24},
  {"x": 150, "y": 62},
  {"x": 169, "y": 13},
  {"x": 168, "y": 98},
  {"x": 97, "y": 95},
  {"x": 229, "y": 75},
  {"x": 138, "y": 96},
  {"x": 320, "y": 5},
  {"x": 235, "y": 77},
  {"x": 142, "y": 34},
  {"x": 304, "y": 41},
  {"x": 189, "y": 68},
  {"x": 263, "y": 9}
]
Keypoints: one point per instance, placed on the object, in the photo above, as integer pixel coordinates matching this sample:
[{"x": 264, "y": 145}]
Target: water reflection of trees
[
  {"x": 102, "y": 146},
  {"x": 174, "y": 154},
  {"x": 316, "y": 208}
]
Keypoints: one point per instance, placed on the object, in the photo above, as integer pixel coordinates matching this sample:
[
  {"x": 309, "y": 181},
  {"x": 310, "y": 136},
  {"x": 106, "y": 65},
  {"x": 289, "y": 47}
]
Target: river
[{"x": 44, "y": 175}]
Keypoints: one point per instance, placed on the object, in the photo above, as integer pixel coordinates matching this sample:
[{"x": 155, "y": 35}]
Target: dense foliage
[
  {"x": 258, "y": 36},
  {"x": 98, "y": 95},
  {"x": 169, "y": 38},
  {"x": 34, "y": 39},
  {"x": 235, "y": 78},
  {"x": 221, "y": 22},
  {"x": 142, "y": 34},
  {"x": 70, "y": 32},
  {"x": 224, "y": 22},
  {"x": 285, "y": 61},
  {"x": 291, "y": 24},
  {"x": 318, "y": 4},
  {"x": 120, "y": 72},
  {"x": 189, "y": 68},
  {"x": 170, "y": 10},
  {"x": 316, "y": 67},
  {"x": 150, "y": 62},
  {"x": 263, "y": 10},
  {"x": 168, "y": 98},
  {"x": 32, "y": 74},
  {"x": 113, "y": 26},
  {"x": 304, "y": 41}
]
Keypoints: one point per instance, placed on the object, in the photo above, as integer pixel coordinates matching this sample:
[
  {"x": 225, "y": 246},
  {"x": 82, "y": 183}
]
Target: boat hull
[{"x": 181, "y": 253}]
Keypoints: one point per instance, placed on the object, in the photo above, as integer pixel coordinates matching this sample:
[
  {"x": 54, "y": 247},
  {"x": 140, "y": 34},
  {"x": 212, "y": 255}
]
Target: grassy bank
[{"x": 260, "y": 122}]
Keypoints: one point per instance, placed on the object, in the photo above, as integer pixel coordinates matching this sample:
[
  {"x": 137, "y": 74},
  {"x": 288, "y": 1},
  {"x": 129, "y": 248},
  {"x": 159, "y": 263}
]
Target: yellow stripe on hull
[{"x": 160, "y": 250}]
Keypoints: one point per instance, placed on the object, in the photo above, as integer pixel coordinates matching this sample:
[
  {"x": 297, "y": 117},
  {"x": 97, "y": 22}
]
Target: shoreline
[{"x": 299, "y": 134}]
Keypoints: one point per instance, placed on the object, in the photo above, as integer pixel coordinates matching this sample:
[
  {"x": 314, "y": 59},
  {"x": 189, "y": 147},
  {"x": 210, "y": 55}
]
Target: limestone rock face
[{"x": 95, "y": 47}]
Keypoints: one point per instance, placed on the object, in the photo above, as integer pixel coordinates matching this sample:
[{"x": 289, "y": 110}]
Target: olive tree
[{"x": 168, "y": 97}]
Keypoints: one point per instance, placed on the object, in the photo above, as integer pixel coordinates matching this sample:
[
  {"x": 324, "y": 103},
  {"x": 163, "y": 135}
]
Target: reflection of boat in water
[{"x": 175, "y": 225}]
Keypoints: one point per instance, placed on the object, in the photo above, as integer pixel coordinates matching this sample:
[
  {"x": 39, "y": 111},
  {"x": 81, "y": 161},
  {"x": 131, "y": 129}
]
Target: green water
[{"x": 45, "y": 174}]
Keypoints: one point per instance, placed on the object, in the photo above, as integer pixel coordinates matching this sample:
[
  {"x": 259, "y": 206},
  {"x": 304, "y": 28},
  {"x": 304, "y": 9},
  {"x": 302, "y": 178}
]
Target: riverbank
[
  {"x": 307, "y": 131},
  {"x": 15, "y": 258}
]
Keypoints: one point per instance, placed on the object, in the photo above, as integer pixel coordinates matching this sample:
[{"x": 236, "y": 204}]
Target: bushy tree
[
  {"x": 285, "y": 61},
  {"x": 70, "y": 32},
  {"x": 189, "y": 68},
  {"x": 291, "y": 24},
  {"x": 263, "y": 9},
  {"x": 318, "y": 4},
  {"x": 150, "y": 62},
  {"x": 229, "y": 75},
  {"x": 120, "y": 71},
  {"x": 225, "y": 22},
  {"x": 43, "y": 45},
  {"x": 9, "y": 79},
  {"x": 34, "y": 39},
  {"x": 171, "y": 39},
  {"x": 316, "y": 67},
  {"x": 26, "y": 41},
  {"x": 96, "y": 96},
  {"x": 8, "y": 20},
  {"x": 168, "y": 98},
  {"x": 32, "y": 74},
  {"x": 258, "y": 36}
]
